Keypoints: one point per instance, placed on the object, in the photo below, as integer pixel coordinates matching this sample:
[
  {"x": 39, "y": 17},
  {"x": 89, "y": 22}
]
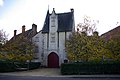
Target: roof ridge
[{"x": 62, "y": 13}]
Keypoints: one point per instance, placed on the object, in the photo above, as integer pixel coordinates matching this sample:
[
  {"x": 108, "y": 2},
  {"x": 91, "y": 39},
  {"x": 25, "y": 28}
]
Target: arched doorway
[{"x": 53, "y": 60}]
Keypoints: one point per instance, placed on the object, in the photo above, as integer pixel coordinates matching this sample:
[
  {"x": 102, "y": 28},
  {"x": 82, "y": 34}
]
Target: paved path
[
  {"x": 52, "y": 72},
  {"x": 36, "y": 72}
]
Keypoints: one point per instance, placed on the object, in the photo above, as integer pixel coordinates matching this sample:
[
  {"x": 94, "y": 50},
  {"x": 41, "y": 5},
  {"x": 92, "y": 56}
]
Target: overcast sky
[{"x": 15, "y": 13}]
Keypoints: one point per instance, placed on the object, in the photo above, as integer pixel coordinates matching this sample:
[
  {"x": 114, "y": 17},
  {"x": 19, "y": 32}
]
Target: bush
[
  {"x": 6, "y": 66},
  {"x": 90, "y": 68},
  {"x": 33, "y": 65},
  {"x": 10, "y": 66}
]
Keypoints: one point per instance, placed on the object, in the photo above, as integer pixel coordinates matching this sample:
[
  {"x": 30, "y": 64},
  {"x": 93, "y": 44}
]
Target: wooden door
[{"x": 53, "y": 60}]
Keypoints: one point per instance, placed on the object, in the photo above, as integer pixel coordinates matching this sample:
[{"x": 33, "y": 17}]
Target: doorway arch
[{"x": 53, "y": 60}]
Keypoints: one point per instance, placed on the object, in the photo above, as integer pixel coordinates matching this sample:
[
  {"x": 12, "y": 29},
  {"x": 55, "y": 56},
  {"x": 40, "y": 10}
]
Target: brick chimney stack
[
  {"x": 15, "y": 31},
  {"x": 23, "y": 29},
  {"x": 34, "y": 29}
]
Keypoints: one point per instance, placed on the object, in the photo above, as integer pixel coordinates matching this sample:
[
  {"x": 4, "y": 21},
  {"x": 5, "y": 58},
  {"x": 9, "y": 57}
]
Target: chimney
[
  {"x": 72, "y": 10},
  {"x": 15, "y": 31},
  {"x": 23, "y": 29},
  {"x": 34, "y": 29}
]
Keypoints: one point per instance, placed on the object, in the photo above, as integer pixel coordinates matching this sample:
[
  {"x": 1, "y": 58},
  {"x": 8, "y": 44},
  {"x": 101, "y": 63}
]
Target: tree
[
  {"x": 88, "y": 26},
  {"x": 113, "y": 45},
  {"x": 98, "y": 49},
  {"x": 75, "y": 46},
  {"x": 3, "y": 40},
  {"x": 19, "y": 48},
  {"x": 86, "y": 48},
  {"x": 3, "y": 37},
  {"x": 83, "y": 46}
]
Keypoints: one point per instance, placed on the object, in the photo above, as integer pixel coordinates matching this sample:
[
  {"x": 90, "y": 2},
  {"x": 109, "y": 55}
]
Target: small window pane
[
  {"x": 53, "y": 17},
  {"x": 52, "y": 26},
  {"x": 36, "y": 49},
  {"x": 37, "y": 39},
  {"x": 53, "y": 20},
  {"x": 52, "y": 39}
]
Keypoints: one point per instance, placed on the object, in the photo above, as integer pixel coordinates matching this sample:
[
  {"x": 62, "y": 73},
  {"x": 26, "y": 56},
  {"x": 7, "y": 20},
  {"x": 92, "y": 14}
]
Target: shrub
[
  {"x": 34, "y": 65},
  {"x": 9, "y": 65},
  {"x": 6, "y": 66},
  {"x": 90, "y": 68}
]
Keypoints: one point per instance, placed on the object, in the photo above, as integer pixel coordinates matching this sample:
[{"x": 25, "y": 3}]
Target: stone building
[{"x": 50, "y": 41}]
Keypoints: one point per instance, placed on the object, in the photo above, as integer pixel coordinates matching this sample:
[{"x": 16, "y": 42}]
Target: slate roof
[
  {"x": 27, "y": 34},
  {"x": 46, "y": 23},
  {"x": 65, "y": 22}
]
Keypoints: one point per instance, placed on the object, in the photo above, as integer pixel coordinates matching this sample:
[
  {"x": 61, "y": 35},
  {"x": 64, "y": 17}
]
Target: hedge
[
  {"x": 6, "y": 66},
  {"x": 10, "y": 66},
  {"x": 34, "y": 65},
  {"x": 90, "y": 68}
]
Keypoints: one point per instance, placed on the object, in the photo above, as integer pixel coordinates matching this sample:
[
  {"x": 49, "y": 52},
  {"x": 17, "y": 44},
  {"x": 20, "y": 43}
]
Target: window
[
  {"x": 53, "y": 20},
  {"x": 53, "y": 17},
  {"x": 52, "y": 34},
  {"x": 36, "y": 49},
  {"x": 52, "y": 37},
  {"x": 36, "y": 39},
  {"x": 52, "y": 26}
]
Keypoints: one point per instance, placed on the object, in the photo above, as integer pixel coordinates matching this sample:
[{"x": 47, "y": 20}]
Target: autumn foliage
[
  {"x": 18, "y": 49},
  {"x": 86, "y": 45}
]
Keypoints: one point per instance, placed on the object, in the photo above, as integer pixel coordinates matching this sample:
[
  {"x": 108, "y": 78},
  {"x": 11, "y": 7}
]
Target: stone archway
[{"x": 53, "y": 60}]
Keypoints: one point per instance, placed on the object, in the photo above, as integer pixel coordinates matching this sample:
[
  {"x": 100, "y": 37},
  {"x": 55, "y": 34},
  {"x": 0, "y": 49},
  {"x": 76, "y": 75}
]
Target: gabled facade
[{"x": 50, "y": 41}]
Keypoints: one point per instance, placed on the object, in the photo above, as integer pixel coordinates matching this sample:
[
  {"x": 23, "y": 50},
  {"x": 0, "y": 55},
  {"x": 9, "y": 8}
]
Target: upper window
[
  {"x": 36, "y": 49},
  {"x": 53, "y": 20},
  {"x": 52, "y": 26},
  {"x": 52, "y": 37},
  {"x": 53, "y": 17},
  {"x": 53, "y": 23},
  {"x": 36, "y": 39},
  {"x": 52, "y": 34}
]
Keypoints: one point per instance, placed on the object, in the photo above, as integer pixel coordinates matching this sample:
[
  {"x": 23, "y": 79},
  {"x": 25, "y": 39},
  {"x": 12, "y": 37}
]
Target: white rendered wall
[
  {"x": 62, "y": 45},
  {"x": 37, "y": 40}
]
